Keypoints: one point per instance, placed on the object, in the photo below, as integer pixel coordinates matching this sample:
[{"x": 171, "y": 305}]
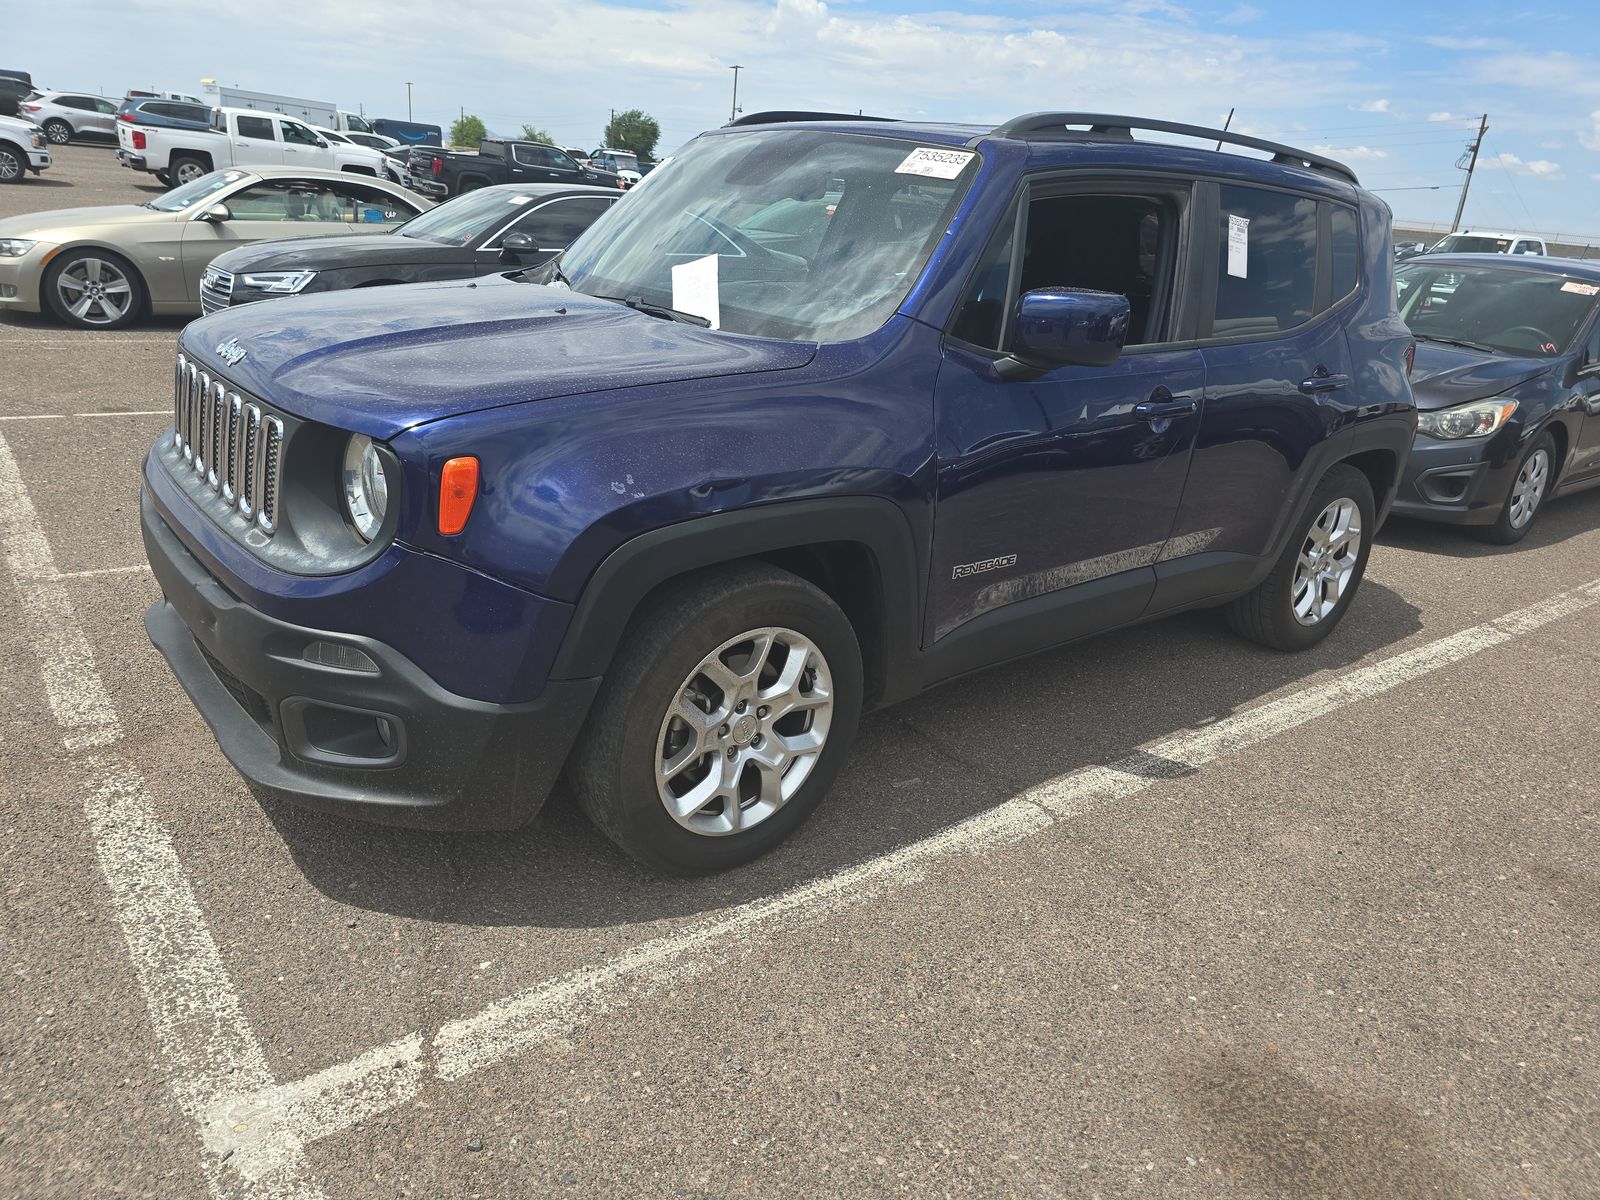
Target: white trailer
[{"x": 322, "y": 114}]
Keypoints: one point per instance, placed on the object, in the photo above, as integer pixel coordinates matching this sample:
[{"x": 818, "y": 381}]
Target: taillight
[
  {"x": 438, "y": 167},
  {"x": 125, "y": 117},
  {"x": 1411, "y": 358},
  {"x": 138, "y": 139},
  {"x": 31, "y": 107}
]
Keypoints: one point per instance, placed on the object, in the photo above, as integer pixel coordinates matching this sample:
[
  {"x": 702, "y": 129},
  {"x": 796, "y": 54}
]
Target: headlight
[
  {"x": 15, "y": 247},
  {"x": 279, "y": 283},
  {"x": 1478, "y": 419},
  {"x": 366, "y": 487}
]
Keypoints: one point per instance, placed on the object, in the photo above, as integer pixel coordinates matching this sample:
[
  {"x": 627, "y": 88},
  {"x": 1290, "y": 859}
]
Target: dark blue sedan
[{"x": 1507, "y": 383}]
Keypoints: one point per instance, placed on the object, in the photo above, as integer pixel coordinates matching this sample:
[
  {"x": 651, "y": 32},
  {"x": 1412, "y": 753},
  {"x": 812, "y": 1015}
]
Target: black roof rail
[
  {"x": 1108, "y": 127},
  {"x": 779, "y": 116}
]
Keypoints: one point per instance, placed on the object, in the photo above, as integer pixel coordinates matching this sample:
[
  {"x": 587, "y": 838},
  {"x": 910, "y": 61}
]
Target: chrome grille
[
  {"x": 229, "y": 441},
  {"x": 216, "y": 290}
]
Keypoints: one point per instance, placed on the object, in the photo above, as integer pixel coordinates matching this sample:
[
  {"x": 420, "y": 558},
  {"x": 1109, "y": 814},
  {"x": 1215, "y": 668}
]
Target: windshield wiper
[
  {"x": 639, "y": 304},
  {"x": 1433, "y": 337}
]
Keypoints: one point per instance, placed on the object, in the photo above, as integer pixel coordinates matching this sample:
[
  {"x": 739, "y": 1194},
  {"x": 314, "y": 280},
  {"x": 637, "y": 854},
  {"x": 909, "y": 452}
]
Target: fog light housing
[{"x": 8, "y": 291}]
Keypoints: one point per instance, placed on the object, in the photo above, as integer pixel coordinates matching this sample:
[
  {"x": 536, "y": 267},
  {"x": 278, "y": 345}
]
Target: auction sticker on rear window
[
  {"x": 935, "y": 164},
  {"x": 1582, "y": 289}
]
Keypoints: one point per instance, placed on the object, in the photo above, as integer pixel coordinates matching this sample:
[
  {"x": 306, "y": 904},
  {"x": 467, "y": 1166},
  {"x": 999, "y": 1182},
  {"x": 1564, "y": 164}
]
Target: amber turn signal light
[{"x": 458, "y": 488}]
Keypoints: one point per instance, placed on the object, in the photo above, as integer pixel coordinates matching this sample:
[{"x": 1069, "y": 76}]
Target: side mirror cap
[
  {"x": 1066, "y": 327},
  {"x": 514, "y": 245},
  {"x": 217, "y": 213}
]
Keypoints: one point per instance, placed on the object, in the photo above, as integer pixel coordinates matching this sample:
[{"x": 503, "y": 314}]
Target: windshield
[
  {"x": 702, "y": 237},
  {"x": 189, "y": 194},
  {"x": 1528, "y": 313},
  {"x": 458, "y": 222},
  {"x": 356, "y": 124},
  {"x": 1465, "y": 243}
]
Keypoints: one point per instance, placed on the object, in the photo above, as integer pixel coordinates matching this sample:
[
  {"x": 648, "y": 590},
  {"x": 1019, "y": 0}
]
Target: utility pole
[
  {"x": 1472, "y": 162},
  {"x": 733, "y": 113},
  {"x": 408, "y": 100}
]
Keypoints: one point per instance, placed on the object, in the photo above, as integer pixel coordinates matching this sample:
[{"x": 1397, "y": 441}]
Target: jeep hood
[
  {"x": 1448, "y": 375},
  {"x": 382, "y": 360}
]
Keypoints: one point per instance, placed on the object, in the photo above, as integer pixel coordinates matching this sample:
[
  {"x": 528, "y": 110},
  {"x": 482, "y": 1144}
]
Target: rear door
[
  {"x": 1276, "y": 359},
  {"x": 533, "y": 164},
  {"x": 1061, "y": 489},
  {"x": 103, "y": 119},
  {"x": 255, "y": 141}
]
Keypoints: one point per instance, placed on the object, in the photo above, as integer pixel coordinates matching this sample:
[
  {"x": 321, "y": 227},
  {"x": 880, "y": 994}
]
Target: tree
[
  {"x": 532, "y": 133},
  {"x": 636, "y": 131},
  {"x": 468, "y": 131}
]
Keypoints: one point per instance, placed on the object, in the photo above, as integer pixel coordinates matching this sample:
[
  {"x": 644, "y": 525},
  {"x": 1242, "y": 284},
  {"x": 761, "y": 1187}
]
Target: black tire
[
  {"x": 1506, "y": 531},
  {"x": 471, "y": 183},
  {"x": 187, "y": 164},
  {"x": 1267, "y": 614},
  {"x": 58, "y": 131},
  {"x": 613, "y": 767},
  {"x": 138, "y": 295},
  {"x": 163, "y": 179},
  {"x": 13, "y": 163}
]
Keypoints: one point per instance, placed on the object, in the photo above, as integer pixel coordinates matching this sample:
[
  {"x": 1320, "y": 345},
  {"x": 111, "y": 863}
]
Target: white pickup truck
[{"x": 238, "y": 137}]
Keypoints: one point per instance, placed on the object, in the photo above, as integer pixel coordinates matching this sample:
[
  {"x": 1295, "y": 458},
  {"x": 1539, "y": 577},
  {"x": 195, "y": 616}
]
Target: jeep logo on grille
[{"x": 231, "y": 352}]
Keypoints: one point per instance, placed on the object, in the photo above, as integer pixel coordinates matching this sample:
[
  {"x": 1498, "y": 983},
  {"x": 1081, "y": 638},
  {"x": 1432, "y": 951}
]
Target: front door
[
  {"x": 278, "y": 208},
  {"x": 1066, "y": 484}
]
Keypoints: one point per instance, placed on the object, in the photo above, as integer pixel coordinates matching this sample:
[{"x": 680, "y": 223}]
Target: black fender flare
[{"x": 630, "y": 572}]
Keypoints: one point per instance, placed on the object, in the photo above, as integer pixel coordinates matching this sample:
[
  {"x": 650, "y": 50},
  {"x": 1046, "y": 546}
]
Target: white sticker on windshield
[
  {"x": 694, "y": 289},
  {"x": 935, "y": 164},
  {"x": 1581, "y": 289},
  {"x": 1238, "y": 246},
  {"x": 518, "y": 199}
]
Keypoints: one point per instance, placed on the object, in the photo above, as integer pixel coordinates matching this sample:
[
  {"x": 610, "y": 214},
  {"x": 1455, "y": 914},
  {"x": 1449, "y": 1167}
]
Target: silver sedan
[{"x": 102, "y": 268}]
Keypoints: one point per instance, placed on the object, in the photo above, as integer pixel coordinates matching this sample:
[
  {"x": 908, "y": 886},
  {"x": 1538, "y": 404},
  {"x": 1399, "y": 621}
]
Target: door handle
[
  {"x": 1167, "y": 406},
  {"x": 1322, "y": 381}
]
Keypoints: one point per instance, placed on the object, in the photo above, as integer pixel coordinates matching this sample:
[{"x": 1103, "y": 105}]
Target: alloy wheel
[
  {"x": 744, "y": 731},
  {"x": 188, "y": 171},
  {"x": 1528, "y": 491},
  {"x": 58, "y": 132},
  {"x": 95, "y": 291},
  {"x": 1327, "y": 561},
  {"x": 11, "y": 167}
]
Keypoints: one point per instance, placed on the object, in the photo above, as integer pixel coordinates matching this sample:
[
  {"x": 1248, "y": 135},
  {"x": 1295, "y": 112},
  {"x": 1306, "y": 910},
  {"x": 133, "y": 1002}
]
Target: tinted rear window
[
  {"x": 1267, "y": 262},
  {"x": 1346, "y": 250}
]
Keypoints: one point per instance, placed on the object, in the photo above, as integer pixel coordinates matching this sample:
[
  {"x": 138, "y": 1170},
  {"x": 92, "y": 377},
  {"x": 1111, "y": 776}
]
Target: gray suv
[{"x": 66, "y": 115}]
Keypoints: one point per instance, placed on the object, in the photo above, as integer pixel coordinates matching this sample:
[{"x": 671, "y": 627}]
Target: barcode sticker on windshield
[
  {"x": 1238, "y": 246},
  {"x": 935, "y": 164},
  {"x": 1581, "y": 289}
]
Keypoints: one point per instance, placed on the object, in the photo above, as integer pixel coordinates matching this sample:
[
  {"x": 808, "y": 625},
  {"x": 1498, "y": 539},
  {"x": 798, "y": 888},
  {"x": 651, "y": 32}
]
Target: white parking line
[
  {"x": 255, "y": 1130},
  {"x": 336, "y": 1098},
  {"x": 138, "y": 412},
  {"x": 93, "y": 572},
  {"x": 209, "y": 1046}
]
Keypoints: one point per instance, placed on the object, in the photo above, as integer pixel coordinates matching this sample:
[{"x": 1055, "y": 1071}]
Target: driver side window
[
  {"x": 296, "y": 201},
  {"x": 298, "y": 134},
  {"x": 1109, "y": 242}
]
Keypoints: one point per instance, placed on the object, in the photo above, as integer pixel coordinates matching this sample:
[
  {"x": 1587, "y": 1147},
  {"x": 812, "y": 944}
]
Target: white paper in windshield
[
  {"x": 935, "y": 164},
  {"x": 518, "y": 199},
  {"x": 694, "y": 289}
]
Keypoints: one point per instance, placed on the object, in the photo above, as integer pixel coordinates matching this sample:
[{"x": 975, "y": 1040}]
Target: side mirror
[
  {"x": 1066, "y": 327},
  {"x": 323, "y": 142},
  {"x": 217, "y": 213},
  {"x": 514, "y": 245}
]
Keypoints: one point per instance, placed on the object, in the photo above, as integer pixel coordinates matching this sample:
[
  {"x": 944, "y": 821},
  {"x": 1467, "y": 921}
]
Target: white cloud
[
  {"x": 1591, "y": 138},
  {"x": 1465, "y": 43},
  {"x": 1443, "y": 116},
  {"x": 1372, "y": 106},
  {"x": 1542, "y": 168},
  {"x": 1352, "y": 153},
  {"x": 1242, "y": 15}
]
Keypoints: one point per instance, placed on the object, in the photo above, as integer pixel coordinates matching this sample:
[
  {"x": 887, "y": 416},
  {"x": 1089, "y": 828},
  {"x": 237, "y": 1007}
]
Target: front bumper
[
  {"x": 1462, "y": 482},
  {"x": 20, "y": 278},
  {"x": 389, "y": 745},
  {"x": 38, "y": 159}
]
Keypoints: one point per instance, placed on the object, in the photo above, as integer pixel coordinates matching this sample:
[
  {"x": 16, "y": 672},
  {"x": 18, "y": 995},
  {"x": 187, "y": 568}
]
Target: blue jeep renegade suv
[{"x": 825, "y": 412}]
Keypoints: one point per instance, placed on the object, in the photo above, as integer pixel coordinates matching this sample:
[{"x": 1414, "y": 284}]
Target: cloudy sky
[{"x": 1393, "y": 89}]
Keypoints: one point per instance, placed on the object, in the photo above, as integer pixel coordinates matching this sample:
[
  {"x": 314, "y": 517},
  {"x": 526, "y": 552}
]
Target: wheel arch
[{"x": 859, "y": 550}]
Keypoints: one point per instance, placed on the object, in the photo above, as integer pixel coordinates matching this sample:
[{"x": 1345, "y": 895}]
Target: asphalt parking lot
[{"x": 1162, "y": 913}]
